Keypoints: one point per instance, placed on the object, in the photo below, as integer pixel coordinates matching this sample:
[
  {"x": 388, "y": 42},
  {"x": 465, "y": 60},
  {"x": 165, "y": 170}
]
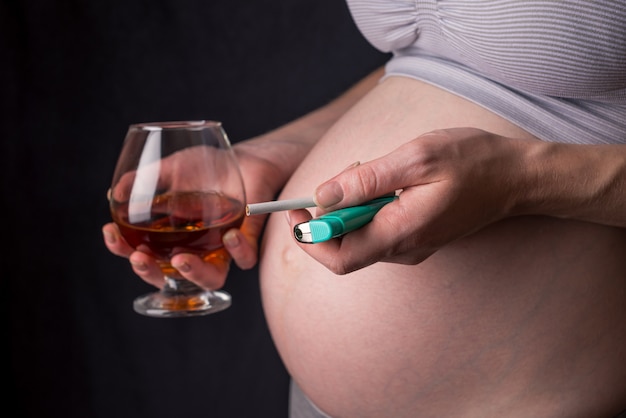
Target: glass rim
[{"x": 182, "y": 124}]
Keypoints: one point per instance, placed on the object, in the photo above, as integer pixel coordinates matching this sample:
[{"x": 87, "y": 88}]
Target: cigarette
[{"x": 278, "y": 205}]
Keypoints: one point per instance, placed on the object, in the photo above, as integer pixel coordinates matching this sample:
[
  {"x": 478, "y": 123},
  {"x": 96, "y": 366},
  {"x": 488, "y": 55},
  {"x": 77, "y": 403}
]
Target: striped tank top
[{"x": 556, "y": 68}]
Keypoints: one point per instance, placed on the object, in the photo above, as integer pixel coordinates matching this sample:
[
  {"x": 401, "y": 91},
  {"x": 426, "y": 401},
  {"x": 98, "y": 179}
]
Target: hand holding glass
[{"x": 177, "y": 188}]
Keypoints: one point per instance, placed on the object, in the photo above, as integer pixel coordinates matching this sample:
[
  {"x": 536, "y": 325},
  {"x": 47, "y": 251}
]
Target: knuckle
[
  {"x": 365, "y": 181},
  {"x": 338, "y": 266}
]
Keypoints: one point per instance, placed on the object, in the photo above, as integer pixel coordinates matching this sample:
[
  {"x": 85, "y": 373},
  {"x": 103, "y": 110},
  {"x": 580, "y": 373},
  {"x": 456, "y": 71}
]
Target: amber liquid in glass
[{"x": 190, "y": 222}]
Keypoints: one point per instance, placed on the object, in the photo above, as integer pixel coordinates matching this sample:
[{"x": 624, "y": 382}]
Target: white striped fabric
[{"x": 555, "y": 68}]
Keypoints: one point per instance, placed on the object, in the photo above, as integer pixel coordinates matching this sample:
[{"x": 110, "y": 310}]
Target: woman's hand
[
  {"x": 452, "y": 183},
  {"x": 262, "y": 181}
]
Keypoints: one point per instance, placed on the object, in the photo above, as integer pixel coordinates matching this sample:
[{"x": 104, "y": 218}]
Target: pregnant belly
[
  {"x": 527, "y": 315},
  {"x": 488, "y": 319}
]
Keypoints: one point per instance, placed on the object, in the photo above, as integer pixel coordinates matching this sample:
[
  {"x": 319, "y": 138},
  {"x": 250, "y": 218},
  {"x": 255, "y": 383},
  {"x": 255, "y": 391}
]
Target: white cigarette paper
[{"x": 278, "y": 205}]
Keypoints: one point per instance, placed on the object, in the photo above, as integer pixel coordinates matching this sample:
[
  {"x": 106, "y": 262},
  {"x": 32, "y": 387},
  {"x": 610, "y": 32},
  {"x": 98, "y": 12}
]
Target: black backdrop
[{"x": 74, "y": 75}]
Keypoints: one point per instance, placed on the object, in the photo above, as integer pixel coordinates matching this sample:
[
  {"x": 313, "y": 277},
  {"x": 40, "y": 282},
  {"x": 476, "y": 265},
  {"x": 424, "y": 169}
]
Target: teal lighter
[{"x": 340, "y": 222}]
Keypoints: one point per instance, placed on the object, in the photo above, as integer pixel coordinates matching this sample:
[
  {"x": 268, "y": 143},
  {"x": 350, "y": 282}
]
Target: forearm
[
  {"x": 285, "y": 147},
  {"x": 582, "y": 182}
]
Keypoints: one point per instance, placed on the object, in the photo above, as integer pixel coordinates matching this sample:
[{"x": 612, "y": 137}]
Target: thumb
[{"x": 359, "y": 183}]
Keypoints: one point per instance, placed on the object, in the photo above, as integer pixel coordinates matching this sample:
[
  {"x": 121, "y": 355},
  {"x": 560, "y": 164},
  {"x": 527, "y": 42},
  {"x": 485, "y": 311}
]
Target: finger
[
  {"x": 209, "y": 273},
  {"x": 146, "y": 268},
  {"x": 243, "y": 244},
  {"x": 392, "y": 236},
  {"x": 142, "y": 264},
  {"x": 326, "y": 253},
  {"x": 114, "y": 241},
  {"x": 364, "y": 182},
  {"x": 242, "y": 249},
  {"x": 297, "y": 216}
]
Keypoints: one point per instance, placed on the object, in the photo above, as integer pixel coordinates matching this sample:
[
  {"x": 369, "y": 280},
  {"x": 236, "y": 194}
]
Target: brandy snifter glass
[{"x": 177, "y": 188}]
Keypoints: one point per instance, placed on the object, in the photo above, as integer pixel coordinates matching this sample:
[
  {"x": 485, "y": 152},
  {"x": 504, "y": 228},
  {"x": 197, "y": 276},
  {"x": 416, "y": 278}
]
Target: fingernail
[
  {"x": 231, "y": 239},
  {"x": 354, "y": 164},
  {"x": 109, "y": 237},
  {"x": 328, "y": 194},
  {"x": 139, "y": 266},
  {"x": 183, "y": 268}
]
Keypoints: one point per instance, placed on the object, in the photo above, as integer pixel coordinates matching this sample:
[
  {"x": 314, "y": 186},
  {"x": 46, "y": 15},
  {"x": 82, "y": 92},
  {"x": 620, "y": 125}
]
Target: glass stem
[{"x": 179, "y": 287}]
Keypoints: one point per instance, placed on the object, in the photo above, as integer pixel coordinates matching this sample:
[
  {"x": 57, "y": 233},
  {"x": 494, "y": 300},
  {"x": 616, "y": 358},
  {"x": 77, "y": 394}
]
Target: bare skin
[
  {"x": 495, "y": 286},
  {"x": 524, "y": 317}
]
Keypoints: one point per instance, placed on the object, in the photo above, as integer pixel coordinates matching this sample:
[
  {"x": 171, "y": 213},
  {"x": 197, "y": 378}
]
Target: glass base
[{"x": 170, "y": 303}]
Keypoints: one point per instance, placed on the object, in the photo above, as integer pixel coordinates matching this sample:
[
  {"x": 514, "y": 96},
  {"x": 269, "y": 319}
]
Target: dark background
[{"x": 74, "y": 75}]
